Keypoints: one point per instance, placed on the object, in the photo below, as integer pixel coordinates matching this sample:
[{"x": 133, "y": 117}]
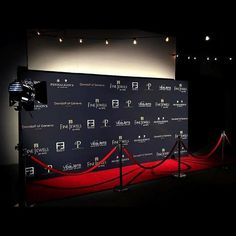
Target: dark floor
[{"x": 213, "y": 188}]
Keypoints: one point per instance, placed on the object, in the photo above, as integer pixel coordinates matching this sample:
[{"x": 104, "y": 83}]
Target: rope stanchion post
[
  {"x": 223, "y": 145},
  {"x": 224, "y": 138},
  {"x": 21, "y": 164},
  {"x": 179, "y": 174},
  {"x": 120, "y": 188}
]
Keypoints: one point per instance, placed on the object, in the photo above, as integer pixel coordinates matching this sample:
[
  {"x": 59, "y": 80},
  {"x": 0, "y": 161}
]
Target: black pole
[
  {"x": 120, "y": 162},
  {"x": 21, "y": 157},
  {"x": 120, "y": 188},
  {"x": 179, "y": 174},
  {"x": 179, "y": 149},
  {"x": 223, "y": 145},
  {"x": 21, "y": 163}
]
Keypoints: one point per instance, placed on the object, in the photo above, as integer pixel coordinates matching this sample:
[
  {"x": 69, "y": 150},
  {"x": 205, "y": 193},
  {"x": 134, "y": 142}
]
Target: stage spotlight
[
  {"x": 207, "y": 38},
  {"x": 15, "y": 89},
  {"x": 26, "y": 93}
]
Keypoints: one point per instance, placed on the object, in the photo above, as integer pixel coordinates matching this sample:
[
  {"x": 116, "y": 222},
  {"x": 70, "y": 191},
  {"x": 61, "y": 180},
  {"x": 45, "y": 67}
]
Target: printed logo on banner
[
  {"x": 37, "y": 150},
  {"x": 125, "y": 142},
  {"x": 142, "y": 122},
  {"x": 97, "y": 143},
  {"x": 77, "y": 145},
  {"x": 122, "y": 123},
  {"x": 48, "y": 170},
  {"x": 160, "y": 121},
  {"x": 105, "y": 123},
  {"x": 117, "y": 159},
  {"x": 162, "y": 136},
  {"x": 143, "y": 155},
  {"x": 68, "y": 104},
  {"x": 95, "y": 162},
  {"x": 71, "y": 166},
  {"x": 135, "y": 86},
  {"x": 90, "y": 96},
  {"x": 115, "y": 103},
  {"x": 38, "y": 126},
  {"x": 162, "y": 153},
  {"x": 149, "y": 87},
  {"x": 182, "y": 151},
  {"x": 179, "y": 103},
  {"x": 60, "y": 146},
  {"x": 70, "y": 126},
  {"x": 179, "y": 119},
  {"x": 181, "y": 134},
  {"x": 144, "y": 104},
  {"x": 92, "y": 85},
  {"x": 164, "y": 87},
  {"x": 97, "y": 105},
  {"x": 162, "y": 104},
  {"x": 29, "y": 171},
  {"x": 180, "y": 88},
  {"x": 128, "y": 104},
  {"x": 62, "y": 84},
  {"x": 38, "y": 107},
  {"x": 118, "y": 86},
  {"x": 91, "y": 124},
  {"x": 142, "y": 139}
]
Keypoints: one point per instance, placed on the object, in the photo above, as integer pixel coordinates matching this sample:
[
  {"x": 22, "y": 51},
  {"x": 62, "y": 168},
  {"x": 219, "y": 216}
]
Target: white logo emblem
[
  {"x": 90, "y": 124},
  {"x": 77, "y": 144},
  {"x": 135, "y": 86},
  {"x": 60, "y": 146},
  {"x": 105, "y": 122},
  {"x": 48, "y": 170},
  {"x": 149, "y": 85},
  {"x": 29, "y": 171},
  {"x": 115, "y": 103},
  {"x": 128, "y": 103}
]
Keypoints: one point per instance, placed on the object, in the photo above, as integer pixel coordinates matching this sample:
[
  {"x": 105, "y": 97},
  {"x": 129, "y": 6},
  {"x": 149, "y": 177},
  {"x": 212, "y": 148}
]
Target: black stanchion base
[
  {"x": 120, "y": 189},
  {"x": 180, "y": 175},
  {"x": 26, "y": 205}
]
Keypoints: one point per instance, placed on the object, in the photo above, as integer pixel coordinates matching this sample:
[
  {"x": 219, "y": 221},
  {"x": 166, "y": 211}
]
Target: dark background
[{"x": 213, "y": 103}]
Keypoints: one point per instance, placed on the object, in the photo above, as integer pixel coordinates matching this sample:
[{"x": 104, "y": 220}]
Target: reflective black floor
[{"x": 202, "y": 189}]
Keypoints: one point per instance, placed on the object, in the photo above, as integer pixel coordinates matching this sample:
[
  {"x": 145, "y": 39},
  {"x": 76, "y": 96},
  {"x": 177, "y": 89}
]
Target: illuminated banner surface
[{"x": 87, "y": 114}]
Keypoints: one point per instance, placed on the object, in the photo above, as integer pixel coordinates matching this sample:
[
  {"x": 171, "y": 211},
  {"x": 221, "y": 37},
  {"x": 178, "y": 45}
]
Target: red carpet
[{"x": 68, "y": 186}]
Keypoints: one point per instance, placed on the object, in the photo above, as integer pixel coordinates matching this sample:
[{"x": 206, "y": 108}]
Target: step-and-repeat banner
[{"x": 87, "y": 114}]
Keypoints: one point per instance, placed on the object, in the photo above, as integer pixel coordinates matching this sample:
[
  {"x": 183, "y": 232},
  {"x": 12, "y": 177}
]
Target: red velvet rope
[
  {"x": 75, "y": 173},
  {"x": 204, "y": 156},
  {"x": 130, "y": 156}
]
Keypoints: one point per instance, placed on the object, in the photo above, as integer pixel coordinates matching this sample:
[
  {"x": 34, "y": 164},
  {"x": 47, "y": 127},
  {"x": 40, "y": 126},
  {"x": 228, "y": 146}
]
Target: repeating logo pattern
[{"x": 87, "y": 115}]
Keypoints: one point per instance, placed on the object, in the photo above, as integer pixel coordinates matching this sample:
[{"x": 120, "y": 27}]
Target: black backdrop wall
[{"x": 87, "y": 114}]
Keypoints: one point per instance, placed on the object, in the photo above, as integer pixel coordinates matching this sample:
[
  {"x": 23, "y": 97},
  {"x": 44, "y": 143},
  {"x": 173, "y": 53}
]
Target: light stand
[
  {"x": 120, "y": 188},
  {"x": 23, "y": 94},
  {"x": 179, "y": 174},
  {"x": 21, "y": 163}
]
